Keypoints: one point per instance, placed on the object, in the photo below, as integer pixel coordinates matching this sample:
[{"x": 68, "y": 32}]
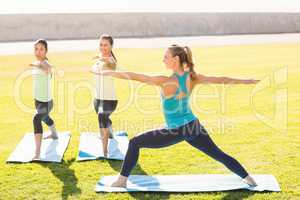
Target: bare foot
[
  {"x": 36, "y": 156},
  {"x": 51, "y": 136},
  {"x": 105, "y": 154},
  {"x": 250, "y": 181},
  {"x": 120, "y": 182}
]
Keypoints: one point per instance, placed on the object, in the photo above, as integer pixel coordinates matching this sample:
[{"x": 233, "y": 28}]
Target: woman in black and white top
[{"x": 105, "y": 101}]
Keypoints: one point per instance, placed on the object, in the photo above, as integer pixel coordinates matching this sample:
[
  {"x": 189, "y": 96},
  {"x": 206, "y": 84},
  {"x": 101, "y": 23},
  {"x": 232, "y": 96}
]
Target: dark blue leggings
[{"x": 193, "y": 132}]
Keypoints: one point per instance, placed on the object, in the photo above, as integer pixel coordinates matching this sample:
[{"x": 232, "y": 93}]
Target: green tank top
[{"x": 41, "y": 84}]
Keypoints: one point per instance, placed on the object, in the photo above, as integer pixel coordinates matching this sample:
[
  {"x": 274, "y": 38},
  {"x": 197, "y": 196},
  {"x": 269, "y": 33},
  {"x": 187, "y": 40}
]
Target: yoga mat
[
  {"x": 188, "y": 183},
  {"x": 90, "y": 146},
  {"x": 51, "y": 150}
]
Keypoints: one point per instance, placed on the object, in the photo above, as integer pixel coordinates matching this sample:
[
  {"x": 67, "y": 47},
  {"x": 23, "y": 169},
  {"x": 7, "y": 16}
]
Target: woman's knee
[
  {"x": 37, "y": 123},
  {"x": 104, "y": 121},
  {"x": 133, "y": 143},
  {"x": 37, "y": 119},
  {"x": 48, "y": 120}
]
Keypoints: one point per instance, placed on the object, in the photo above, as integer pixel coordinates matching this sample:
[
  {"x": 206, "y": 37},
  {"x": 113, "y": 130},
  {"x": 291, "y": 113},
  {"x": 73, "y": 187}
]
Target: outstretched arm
[
  {"x": 225, "y": 80},
  {"x": 45, "y": 66},
  {"x": 153, "y": 80}
]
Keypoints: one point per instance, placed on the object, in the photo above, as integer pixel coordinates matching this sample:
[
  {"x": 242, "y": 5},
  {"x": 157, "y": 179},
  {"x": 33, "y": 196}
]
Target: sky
[{"x": 92, "y": 6}]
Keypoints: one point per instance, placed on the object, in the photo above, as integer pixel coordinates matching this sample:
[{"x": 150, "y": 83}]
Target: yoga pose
[
  {"x": 181, "y": 123},
  {"x": 42, "y": 75},
  {"x": 105, "y": 101}
]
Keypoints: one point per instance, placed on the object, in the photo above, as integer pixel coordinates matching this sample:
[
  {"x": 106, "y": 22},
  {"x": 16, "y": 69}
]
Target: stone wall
[{"x": 89, "y": 26}]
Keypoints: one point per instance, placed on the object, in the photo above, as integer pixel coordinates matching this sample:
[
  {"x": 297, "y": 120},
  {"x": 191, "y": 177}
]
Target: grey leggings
[
  {"x": 193, "y": 133},
  {"x": 42, "y": 114}
]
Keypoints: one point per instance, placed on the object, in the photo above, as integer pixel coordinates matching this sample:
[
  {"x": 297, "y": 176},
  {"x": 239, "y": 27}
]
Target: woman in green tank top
[{"x": 42, "y": 76}]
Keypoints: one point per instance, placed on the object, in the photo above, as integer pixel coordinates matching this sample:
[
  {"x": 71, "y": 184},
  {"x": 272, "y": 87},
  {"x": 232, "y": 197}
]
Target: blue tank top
[{"x": 177, "y": 112}]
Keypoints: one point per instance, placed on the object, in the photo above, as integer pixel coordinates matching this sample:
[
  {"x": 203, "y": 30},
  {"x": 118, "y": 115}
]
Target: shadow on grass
[
  {"x": 66, "y": 176},
  {"x": 138, "y": 170},
  {"x": 237, "y": 195},
  {"x": 229, "y": 195}
]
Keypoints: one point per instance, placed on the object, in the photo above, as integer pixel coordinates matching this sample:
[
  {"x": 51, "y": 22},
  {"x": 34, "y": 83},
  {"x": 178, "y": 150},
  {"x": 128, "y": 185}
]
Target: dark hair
[
  {"x": 185, "y": 58},
  {"x": 44, "y": 43},
  {"x": 111, "y": 41}
]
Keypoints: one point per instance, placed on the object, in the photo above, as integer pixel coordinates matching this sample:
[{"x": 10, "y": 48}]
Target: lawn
[{"x": 258, "y": 125}]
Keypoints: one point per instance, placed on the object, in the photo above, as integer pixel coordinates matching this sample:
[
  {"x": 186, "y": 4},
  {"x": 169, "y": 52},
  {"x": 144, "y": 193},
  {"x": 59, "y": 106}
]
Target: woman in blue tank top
[{"x": 181, "y": 123}]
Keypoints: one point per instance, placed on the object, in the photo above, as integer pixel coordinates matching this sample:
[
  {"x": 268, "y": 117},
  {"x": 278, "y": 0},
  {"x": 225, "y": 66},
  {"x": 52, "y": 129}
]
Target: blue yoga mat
[
  {"x": 90, "y": 146},
  {"x": 188, "y": 183}
]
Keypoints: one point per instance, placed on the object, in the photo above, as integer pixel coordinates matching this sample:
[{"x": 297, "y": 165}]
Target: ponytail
[
  {"x": 185, "y": 58},
  {"x": 113, "y": 55},
  {"x": 189, "y": 62}
]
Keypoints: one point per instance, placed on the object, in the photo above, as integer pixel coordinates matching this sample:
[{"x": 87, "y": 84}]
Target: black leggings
[
  {"x": 193, "y": 132},
  {"x": 42, "y": 114},
  {"x": 104, "y": 108}
]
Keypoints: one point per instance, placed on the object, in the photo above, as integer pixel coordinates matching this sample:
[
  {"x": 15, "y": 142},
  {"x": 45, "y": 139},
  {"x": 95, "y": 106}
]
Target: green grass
[{"x": 268, "y": 148}]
